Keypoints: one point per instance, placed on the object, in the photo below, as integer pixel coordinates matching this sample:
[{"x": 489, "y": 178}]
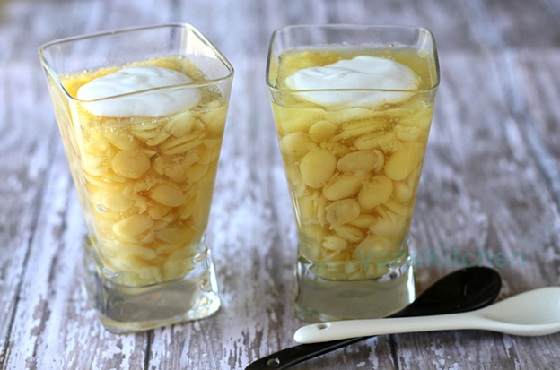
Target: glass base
[
  {"x": 320, "y": 300},
  {"x": 125, "y": 309}
]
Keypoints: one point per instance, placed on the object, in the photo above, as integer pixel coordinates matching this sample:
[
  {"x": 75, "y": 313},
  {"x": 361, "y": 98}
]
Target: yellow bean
[
  {"x": 102, "y": 216},
  {"x": 310, "y": 237},
  {"x": 293, "y": 175},
  {"x": 422, "y": 118},
  {"x": 166, "y": 248},
  {"x": 161, "y": 224},
  {"x": 342, "y": 211},
  {"x": 350, "y": 114},
  {"x": 321, "y": 210},
  {"x": 349, "y": 233},
  {"x": 174, "y": 235},
  {"x": 212, "y": 150},
  {"x": 195, "y": 137},
  {"x": 199, "y": 217},
  {"x": 334, "y": 257},
  {"x": 317, "y": 167},
  {"x": 215, "y": 118},
  {"x": 337, "y": 149},
  {"x": 145, "y": 135},
  {"x": 127, "y": 262},
  {"x": 372, "y": 248},
  {"x": 174, "y": 267},
  {"x": 204, "y": 155},
  {"x": 158, "y": 139},
  {"x": 403, "y": 192},
  {"x": 167, "y": 195},
  {"x": 196, "y": 173},
  {"x": 363, "y": 221},
  {"x": 358, "y": 128},
  {"x": 334, "y": 243},
  {"x": 390, "y": 225},
  {"x": 183, "y": 148},
  {"x": 361, "y": 160},
  {"x": 342, "y": 186},
  {"x": 332, "y": 270},
  {"x": 296, "y": 144},
  {"x": 187, "y": 208},
  {"x": 401, "y": 163},
  {"x": 146, "y": 254},
  {"x": 121, "y": 139},
  {"x": 322, "y": 131},
  {"x": 113, "y": 201},
  {"x": 311, "y": 208},
  {"x": 407, "y": 133},
  {"x": 131, "y": 227},
  {"x": 183, "y": 124},
  {"x": 157, "y": 211},
  {"x": 149, "y": 153},
  {"x": 398, "y": 208},
  {"x": 296, "y": 119},
  {"x": 175, "y": 168},
  {"x": 130, "y": 164},
  {"x": 93, "y": 165},
  {"x": 307, "y": 208},
  {"x": 376, "y": 191},
  {"x": 313, "y": 232},
  {"x": 385, "y": 141}
]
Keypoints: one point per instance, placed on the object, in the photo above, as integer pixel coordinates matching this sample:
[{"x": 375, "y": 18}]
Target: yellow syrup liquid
[
  {"x": 145, "y": 182},
  {"x": 352, "y": 170}
]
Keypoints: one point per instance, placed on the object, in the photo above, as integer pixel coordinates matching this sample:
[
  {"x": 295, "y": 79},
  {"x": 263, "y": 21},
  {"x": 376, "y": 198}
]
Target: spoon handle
[{"x": 337, "y": 330}]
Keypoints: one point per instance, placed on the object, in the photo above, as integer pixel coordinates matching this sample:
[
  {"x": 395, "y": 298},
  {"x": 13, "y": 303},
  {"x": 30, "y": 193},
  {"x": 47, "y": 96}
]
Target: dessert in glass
[
  {"x": 353, "y": 109},
  {"x": 141, "y": 113}
]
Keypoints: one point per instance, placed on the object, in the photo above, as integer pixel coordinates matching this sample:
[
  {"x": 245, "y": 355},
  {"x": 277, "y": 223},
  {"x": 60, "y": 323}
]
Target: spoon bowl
[
  {"x": 534, "y": 307},
  {"x": 535, "y": 312}
]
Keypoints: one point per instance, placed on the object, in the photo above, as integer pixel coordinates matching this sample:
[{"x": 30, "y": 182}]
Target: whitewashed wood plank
[
  {"x": 483, "y": 200},
  {"x": 525, "y": 23},
  {"x": 28, "y": 24},
  {"x": 25, "y": 156},
  {"x": 531, "y": 81}
]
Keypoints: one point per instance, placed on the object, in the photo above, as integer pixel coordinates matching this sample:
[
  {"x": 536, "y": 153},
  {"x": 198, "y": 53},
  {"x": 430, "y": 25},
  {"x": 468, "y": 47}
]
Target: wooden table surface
[{"x": 490, "y": 191}]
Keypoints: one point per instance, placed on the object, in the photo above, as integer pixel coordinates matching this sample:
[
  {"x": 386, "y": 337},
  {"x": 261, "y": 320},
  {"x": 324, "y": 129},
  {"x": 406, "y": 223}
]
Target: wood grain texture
[
  {"x": 25, "y": 161},
  {"x": 490, "y": 193}
]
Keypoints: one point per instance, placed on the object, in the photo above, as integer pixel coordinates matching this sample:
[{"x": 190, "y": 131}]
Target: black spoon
[{"x": 460, "y": 291}]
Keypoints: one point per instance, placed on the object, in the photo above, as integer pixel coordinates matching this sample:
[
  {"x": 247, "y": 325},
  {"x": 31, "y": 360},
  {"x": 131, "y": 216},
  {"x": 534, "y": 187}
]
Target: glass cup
[
  {"x": 143, "y": 162},
  {"x": 352, "y": 159}
]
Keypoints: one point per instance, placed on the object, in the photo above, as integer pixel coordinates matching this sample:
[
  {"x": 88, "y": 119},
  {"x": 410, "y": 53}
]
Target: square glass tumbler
[
  {"x": 141, "y": 113},
  {"x": 353, "y": 109}
]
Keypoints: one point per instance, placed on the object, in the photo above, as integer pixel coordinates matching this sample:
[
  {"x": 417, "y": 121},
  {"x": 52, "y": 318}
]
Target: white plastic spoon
[{"x": 535, "y": 312}]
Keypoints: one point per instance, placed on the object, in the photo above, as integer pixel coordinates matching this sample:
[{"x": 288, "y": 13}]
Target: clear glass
[
  {"x": 144, "y": 180},
  {"x": 352, "y": 167}
]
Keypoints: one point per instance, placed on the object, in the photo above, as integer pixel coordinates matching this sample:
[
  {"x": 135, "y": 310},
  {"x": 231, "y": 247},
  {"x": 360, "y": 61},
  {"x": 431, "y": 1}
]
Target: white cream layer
[
  {"x": 131, "y": 79},
  {"x": 361, "y": 72}
]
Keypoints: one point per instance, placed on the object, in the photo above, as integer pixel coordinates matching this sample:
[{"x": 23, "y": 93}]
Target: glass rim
[
  {"x": 349, "y": 26},
  {"x": 220, "y": 56}
]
